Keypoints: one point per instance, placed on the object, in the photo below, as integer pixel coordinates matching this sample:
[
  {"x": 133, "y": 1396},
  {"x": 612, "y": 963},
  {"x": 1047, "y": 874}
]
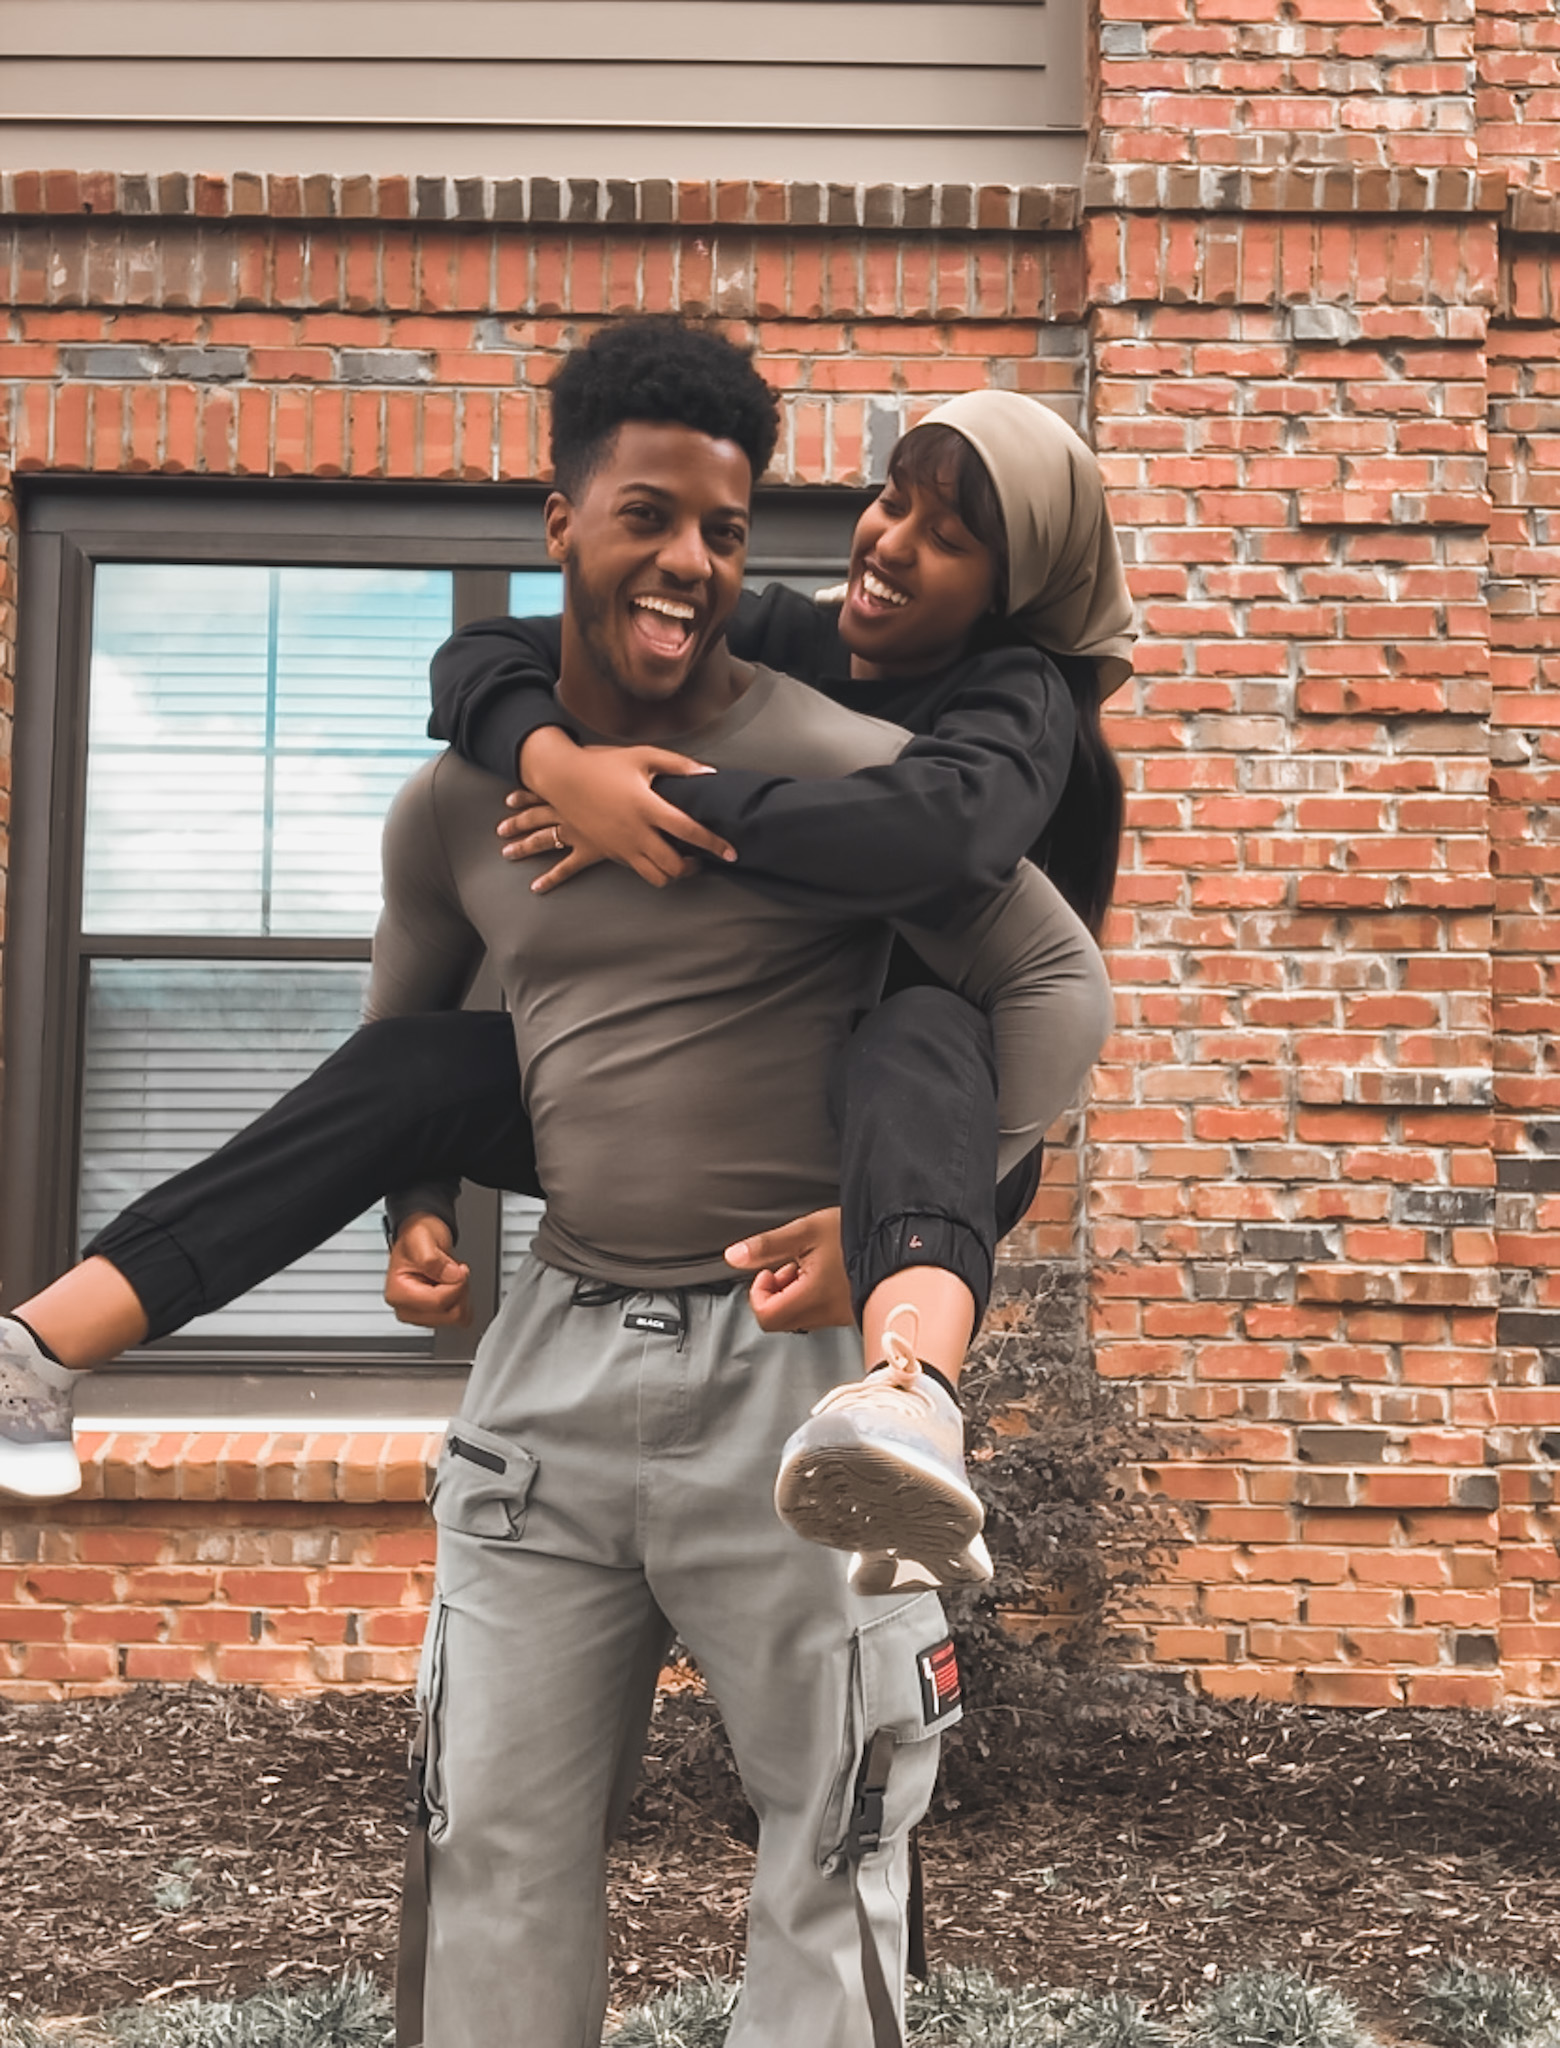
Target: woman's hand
[
  {"x": 535, "y": 829},
  {"x": 600, "y": 798}
]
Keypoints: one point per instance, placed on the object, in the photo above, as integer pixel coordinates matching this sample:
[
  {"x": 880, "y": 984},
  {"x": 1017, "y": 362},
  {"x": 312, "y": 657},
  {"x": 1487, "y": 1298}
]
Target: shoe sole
[
  {"x": 39, "y": 1471},
  {"x": 860, "y": 1496},
  {"x": 881, "y": 1572}
]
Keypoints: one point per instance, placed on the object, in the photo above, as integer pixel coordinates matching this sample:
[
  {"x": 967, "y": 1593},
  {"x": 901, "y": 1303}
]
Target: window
[
  {"x": 220, "y": 691},
  {"x": 246, "y": 730}
]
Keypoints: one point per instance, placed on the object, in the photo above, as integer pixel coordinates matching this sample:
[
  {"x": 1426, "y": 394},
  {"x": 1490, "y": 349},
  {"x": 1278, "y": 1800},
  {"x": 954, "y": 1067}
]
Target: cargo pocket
[
  {"x": 904, "y": 1691},
  {"x": 481, "y": 1484},
  {"x": 430, "y": 1735}
]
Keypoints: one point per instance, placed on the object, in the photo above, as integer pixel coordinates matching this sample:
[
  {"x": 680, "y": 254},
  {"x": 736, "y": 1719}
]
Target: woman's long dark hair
[{"x": 1081, "y": 844}]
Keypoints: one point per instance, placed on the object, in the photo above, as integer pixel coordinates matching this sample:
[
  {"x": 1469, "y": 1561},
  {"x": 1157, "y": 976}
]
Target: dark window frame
[{"x": 69, "y": 527}]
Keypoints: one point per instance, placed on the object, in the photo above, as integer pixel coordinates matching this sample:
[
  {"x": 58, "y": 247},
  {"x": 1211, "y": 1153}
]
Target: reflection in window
[
  {"x": 247, "y": 730},
  {"x": 535, "y": 593}
]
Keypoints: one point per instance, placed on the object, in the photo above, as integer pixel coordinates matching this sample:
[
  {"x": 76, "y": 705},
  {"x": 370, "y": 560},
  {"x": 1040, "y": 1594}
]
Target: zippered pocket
[{"x": 482, "y": 1483}]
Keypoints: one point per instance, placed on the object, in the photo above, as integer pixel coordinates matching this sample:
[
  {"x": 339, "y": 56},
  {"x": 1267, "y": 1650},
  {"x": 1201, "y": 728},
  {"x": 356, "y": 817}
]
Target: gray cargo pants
[{"x": 605, "y": 1485}]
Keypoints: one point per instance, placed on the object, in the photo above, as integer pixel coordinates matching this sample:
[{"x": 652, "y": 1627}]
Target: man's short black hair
[{"x": 657, "y": 368}]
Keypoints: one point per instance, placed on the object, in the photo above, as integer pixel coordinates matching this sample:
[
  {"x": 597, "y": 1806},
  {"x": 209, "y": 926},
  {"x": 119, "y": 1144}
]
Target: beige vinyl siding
[{"x": 862, "y": 92}]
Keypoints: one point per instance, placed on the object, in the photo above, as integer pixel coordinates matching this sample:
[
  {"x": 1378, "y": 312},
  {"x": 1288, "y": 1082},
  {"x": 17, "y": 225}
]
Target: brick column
[
  {"x": 1519, "y": 110},
  {"x": 1292, "y": 256}
]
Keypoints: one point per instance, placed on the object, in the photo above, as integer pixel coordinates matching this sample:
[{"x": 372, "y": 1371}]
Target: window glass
[
  {"x": 178, "y": 1057},
  {"x": 534, "y": 593},
  {"x": 247, "y": 728}
]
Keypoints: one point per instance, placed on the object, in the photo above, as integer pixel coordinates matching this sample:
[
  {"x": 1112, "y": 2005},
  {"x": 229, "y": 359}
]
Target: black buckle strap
[
  {"x": 412, "y": 1947},
  {"x": 865, "y": 1832},
  {"x": 415, "y": 1806},
  {"x": 916, "y": 1954}
]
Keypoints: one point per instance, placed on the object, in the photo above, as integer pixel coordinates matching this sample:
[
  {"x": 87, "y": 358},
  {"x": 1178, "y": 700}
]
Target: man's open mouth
[{"x": 666, "y": 624}]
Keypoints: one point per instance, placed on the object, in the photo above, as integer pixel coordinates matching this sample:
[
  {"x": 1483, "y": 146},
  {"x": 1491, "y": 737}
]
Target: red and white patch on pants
[{"x": 940, "y": 1688}]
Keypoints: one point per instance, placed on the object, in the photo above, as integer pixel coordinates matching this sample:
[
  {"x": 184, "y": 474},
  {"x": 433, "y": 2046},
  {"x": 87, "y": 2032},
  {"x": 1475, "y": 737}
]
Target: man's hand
[
  {"x": 425, "y": 1283},
  {"x": 800, "y": 1281},
  {"x": 600, "y": 798}
]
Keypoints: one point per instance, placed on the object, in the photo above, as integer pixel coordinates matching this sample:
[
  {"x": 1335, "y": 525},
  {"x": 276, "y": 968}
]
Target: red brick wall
[
  {"x": 289, "y": 1562},
  {"x": 1306, "y": 303},
  {"x": 1290, "y": 1150},
  {"x": 1524, "y": 417}
]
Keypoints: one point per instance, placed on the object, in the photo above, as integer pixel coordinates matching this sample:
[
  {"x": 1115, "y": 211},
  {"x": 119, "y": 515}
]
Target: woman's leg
[
  {"x": 879, "y": 1468},
  {"x": 915, "y": 1097},
  {"x": 406, "y": 1101},
  {"x": 948, "y": 1310}
]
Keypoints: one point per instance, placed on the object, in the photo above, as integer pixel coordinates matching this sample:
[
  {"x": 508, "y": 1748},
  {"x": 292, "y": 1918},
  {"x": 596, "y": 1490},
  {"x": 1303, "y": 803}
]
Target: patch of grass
[
  {"x": 1461, "y": 2007},
  {"x": 970, "y": 2009},
  {"x": 692, "y": 2015},
  {"x": 1458, "y": 2008},
  {"x": 17, "y": 2031},
  {"x": 350, "y": 2011},
  {"x": 1275, "y": 2009},
  {"x": 956, "y": 2009},
  {"x": 174, "y": 1891},
  {"x": 1112, "y": 2020}
]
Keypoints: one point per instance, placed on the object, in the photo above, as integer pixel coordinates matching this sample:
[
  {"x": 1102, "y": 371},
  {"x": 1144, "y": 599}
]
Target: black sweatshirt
[{"x": 916, "y": 838}]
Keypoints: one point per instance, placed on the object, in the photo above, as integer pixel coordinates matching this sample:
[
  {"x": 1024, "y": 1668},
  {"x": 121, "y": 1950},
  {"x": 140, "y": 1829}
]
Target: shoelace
[
  {"x": 900, "y": 1373},
  {"x": 899, "y": 1354}
]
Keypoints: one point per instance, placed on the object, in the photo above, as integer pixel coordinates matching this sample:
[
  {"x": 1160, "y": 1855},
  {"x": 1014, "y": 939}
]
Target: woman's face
[{"x": 919, "y": 582}]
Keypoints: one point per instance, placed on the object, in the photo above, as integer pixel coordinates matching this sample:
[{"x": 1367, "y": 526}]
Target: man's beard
[{"x": 590, "y": 612}]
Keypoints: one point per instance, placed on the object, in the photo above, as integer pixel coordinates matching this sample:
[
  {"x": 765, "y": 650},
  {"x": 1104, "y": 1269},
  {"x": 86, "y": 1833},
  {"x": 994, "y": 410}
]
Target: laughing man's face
[{"x": 654, "y": 551}]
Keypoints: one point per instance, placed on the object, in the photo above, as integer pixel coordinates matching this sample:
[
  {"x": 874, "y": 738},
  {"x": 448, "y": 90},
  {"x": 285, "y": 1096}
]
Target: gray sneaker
[
  {"x": 878, "y": 1469},
  {"x": 37, "y": 1398}
]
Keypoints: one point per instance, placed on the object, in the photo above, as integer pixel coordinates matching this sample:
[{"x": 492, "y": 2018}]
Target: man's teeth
[
  {"x": 884, "y": 593},
  {"x": 669, "y": 607}
]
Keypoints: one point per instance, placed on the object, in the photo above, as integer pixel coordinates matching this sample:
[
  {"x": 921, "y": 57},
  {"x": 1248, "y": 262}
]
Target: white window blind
[
  {"x": 180, "y": 1055},
  {"x": 247, "y": 728},
  {"x": 518, "y": 1218}
]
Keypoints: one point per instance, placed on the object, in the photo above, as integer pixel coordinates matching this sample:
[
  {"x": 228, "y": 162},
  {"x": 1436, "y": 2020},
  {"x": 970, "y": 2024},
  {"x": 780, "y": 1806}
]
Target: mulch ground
[{"x": 205, "y": 1841}]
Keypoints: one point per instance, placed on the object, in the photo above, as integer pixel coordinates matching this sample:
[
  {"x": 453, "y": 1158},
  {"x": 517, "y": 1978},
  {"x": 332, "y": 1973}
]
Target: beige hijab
[{"x": 1067, "y": 592}]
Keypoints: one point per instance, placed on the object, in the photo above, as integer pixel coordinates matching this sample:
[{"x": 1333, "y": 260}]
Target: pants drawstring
[{"x": 588, "y": 1293}]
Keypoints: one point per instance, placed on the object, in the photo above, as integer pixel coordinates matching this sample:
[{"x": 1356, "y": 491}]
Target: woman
[{"x": 990, "y": 543}]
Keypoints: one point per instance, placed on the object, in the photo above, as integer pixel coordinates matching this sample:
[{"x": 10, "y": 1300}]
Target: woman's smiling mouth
[{"x": 875, "y": 596}]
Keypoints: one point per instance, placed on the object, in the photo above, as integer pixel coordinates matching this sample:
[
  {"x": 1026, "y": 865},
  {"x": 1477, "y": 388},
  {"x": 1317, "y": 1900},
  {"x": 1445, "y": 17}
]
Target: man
[{"x": 609, "y": 1477}]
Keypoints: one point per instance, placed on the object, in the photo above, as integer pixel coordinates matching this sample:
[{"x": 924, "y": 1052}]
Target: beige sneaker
[
  {"x": 37, "y": 1396},
  {"x": 878, "y": 1469}
]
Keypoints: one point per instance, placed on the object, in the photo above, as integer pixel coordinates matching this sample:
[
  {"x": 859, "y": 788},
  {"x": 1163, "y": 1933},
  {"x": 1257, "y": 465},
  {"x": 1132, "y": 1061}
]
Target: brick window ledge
[{"x": 255, "y": 1464}]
